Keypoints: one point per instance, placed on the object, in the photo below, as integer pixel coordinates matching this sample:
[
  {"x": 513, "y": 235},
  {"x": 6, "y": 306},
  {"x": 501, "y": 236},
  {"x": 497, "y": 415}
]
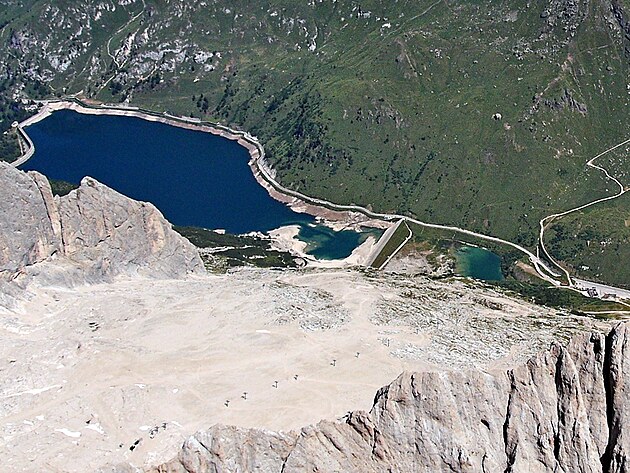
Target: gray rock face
[
  {"x": 26, "y": 234},
  {"x": 565, "y": 410},
  {"x": 112, "y": 234},
  {"x": 89, "y": 235}
]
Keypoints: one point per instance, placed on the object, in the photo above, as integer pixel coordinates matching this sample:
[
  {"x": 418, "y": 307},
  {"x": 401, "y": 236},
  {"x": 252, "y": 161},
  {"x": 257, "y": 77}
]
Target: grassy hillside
[
  {"x": 596, "y": 242},
  {"x": 480, "y": 114}
]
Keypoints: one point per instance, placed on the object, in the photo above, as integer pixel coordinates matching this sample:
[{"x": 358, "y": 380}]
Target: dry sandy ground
[{"x": 87, "y": 372}]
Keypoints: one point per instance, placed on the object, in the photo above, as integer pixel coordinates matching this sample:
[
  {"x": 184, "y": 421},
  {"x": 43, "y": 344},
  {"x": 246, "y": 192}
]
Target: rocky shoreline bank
[
  {"x": 336, "y": 219},
  {"x": 263, "y": 174}
]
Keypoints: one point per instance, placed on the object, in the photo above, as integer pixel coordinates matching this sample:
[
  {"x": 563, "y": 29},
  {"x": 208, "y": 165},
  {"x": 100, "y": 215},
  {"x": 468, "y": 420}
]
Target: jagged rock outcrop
[
  {"x": 565, "y": 410},
  {"x": 113, "y": 234},
  {"x": 622, "y": 18},
  {"x": 26, "y": 234},
  {"x": 91, "y": 234}
]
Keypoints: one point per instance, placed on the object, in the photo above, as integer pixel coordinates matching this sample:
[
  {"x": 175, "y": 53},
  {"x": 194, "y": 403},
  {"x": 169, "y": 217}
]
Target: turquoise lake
[
  {"x": 193, "y": 177},
  {"x": 478, "y": 263}
]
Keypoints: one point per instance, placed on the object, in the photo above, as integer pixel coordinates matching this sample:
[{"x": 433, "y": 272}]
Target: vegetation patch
[
  {"x": 9, "y": 146},
  {"x": 550, "y": 296},
  {"x": 595, "y": 243},
  {"x": 235, "y": 250},
  {"x": 60, "y": 187}
]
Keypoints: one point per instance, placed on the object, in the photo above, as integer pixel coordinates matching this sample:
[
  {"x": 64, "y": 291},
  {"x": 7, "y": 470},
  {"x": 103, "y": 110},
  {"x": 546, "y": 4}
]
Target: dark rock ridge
[
  {"x": 565, "y": 410},
  {"x": 623, "y": 20},
  {"x": 566, "y": 100},
  {"x": 90, "y": 235}
]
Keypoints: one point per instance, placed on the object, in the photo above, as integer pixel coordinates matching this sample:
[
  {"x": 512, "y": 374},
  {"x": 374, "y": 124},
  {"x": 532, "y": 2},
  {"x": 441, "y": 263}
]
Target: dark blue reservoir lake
[
  {"x": 478, "y": 263},
  {"x": 193, "y": 177}
]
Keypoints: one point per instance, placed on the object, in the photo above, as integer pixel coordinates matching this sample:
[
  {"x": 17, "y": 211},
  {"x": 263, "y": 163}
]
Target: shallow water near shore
[
  {"x": 478, "y": 263},
  {"x": 194, "y": 178},
  {"x": 327, "y": 244}
]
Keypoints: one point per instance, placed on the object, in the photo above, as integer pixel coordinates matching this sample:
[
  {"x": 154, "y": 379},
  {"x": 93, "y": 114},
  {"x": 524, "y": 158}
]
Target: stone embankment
[
  {"x": 566, "y": 409},
  {"x": 30, "y": 147},
  {"x": 380, "y": 246}
]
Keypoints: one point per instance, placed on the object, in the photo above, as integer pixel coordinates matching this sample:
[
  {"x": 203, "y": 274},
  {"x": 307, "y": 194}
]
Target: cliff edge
[
  {"x": 565, "y": 410},
  {"x": 88, "y": 236}
]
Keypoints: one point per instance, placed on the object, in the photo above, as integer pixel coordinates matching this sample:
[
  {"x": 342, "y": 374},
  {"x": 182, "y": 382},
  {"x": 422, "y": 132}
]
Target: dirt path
[{"x": 544, "y": 223}]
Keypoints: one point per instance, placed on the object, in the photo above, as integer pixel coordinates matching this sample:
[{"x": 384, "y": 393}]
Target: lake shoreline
[
  {"x": 263, "y": 174},
  {"x": 336, "y": 216}
]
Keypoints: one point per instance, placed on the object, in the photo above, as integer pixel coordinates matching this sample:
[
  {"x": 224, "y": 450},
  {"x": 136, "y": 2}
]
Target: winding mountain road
[
  {"x": 544, "y": 271},
  {"x": 544, "y": 223}
]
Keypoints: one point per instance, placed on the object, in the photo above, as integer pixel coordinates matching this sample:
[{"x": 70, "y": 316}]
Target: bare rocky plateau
[
  {"x": 563, "y": 410},
  {"x": 116, "y": 346}
]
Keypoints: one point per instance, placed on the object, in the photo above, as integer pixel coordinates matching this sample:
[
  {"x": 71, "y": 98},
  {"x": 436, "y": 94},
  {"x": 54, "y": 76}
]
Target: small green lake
[{"x": 478, "y": 263}]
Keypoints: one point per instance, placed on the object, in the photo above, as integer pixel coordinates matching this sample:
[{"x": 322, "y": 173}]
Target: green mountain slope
[{"x": 480, "y": 114}]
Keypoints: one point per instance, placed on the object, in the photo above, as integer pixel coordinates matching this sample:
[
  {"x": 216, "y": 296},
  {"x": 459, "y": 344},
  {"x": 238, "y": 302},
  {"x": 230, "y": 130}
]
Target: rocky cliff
[
  {"x": 91, "y": 235},
  {"x": 565, "y": 410}
]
